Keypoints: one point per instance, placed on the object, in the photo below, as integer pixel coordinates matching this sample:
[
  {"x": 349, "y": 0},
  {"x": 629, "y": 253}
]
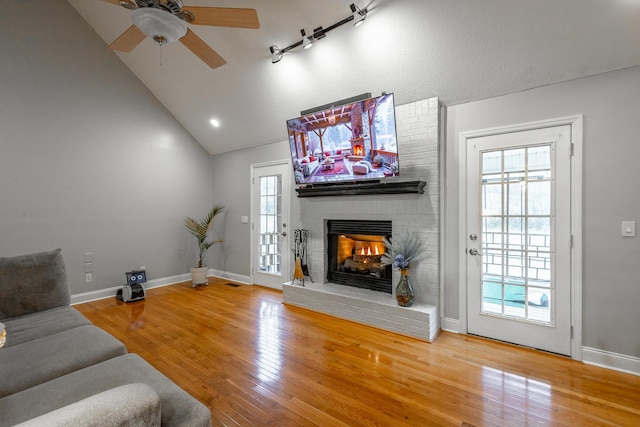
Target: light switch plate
[
  {"x": 628, "y": 229},
  {"x": 244, "y": 219}
]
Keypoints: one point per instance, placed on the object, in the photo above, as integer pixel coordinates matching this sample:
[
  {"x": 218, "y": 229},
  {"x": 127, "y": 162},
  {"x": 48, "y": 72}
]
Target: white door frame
[
  {"x": 286, "y": 186},
  {"x": 576, "y": 218}
]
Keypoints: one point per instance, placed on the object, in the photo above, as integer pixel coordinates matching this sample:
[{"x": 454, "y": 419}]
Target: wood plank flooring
[{"x": 255, "y": 361}]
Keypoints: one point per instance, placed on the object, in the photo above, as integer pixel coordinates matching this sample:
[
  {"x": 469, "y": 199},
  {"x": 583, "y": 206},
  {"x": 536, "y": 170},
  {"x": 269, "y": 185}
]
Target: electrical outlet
[{"x": 88, "y": 277}]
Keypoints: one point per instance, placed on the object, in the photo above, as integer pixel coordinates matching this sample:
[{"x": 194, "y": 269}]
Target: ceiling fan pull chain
[{"x": 160, "y": 54}]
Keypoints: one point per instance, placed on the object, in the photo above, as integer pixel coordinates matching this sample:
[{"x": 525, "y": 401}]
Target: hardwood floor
[{"x": 255, "y": 361}]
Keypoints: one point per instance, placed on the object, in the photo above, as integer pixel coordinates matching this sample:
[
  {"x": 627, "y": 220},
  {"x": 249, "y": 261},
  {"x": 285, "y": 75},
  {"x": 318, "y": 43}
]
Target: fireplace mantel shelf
[{"x": 362, "y": 188}]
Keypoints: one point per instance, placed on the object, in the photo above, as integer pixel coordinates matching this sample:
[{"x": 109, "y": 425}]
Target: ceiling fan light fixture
[
  {"x": 161, "y": 26},
  {"x": 128, "y": 4}
]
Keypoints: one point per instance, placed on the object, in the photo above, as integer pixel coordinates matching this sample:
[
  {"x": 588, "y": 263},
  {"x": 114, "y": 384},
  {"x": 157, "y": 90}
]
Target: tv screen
[{"x": 351, "y": 142}]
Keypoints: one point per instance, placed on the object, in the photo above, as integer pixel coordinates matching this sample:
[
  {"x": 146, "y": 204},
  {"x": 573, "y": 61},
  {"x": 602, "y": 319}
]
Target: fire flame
[{"x": 368, "y": 252}]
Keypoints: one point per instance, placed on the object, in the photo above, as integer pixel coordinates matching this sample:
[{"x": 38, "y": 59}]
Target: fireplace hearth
[{"x": 354, "y": 250}]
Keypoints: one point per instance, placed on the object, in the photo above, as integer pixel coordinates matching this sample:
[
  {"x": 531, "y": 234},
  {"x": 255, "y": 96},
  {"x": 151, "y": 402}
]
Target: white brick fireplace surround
[{"x": 417, "y": 130}]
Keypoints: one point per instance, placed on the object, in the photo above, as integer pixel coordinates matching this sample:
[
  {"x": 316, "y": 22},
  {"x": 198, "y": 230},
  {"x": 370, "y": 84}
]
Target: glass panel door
[
  {"x": 518, "y": 242},
  {"x": 271, "y": 189}
]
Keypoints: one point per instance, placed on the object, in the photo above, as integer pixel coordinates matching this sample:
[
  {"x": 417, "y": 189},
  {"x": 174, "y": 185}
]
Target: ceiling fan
[{"x": 165, "y": 21}]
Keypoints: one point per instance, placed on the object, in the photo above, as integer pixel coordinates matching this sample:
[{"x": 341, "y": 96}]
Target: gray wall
[
  {"x": 232, "y": 188},
  {"x": 611, "y": 280},
  {"x": 89, "y": 159}
]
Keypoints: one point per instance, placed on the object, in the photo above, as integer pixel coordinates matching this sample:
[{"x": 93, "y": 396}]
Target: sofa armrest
[{"x": 127, "y": 405}]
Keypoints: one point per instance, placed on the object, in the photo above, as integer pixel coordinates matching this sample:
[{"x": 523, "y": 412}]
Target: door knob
[
  {"x": 473, "y": 251},
  {"x": 283, "y": 234}
]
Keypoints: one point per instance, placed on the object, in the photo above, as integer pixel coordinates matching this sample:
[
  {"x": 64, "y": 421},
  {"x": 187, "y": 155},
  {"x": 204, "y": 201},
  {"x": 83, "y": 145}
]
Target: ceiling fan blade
[
  {"x": 202, "y": 50},
  {"x": 128, "y": 40},
  {"x": 224, "y": 17}
]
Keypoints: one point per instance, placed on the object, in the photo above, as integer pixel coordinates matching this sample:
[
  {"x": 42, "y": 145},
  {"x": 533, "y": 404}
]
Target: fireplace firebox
[{"x": 354, "y": 250}]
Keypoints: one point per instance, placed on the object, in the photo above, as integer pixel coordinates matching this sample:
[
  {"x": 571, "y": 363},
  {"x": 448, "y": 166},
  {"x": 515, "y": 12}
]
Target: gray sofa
[{"x": 57, "y": 369}]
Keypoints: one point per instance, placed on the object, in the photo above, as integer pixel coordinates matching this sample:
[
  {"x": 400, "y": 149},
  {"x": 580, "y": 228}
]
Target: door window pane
[
  {"x": 514, "y": 160},
  {"x": 539, "y": 202},
  {"x": 492, "y": 199}
]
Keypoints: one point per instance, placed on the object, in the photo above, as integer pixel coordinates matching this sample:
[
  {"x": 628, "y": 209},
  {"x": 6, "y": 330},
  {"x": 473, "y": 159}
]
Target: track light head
[
  {"x": 307, "y": 41},
  {"x": 276, "y": 53},
  {"x": 359, "y": 15}
]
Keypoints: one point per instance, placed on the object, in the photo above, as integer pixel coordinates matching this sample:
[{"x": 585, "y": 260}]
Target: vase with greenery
[
  {"x": 406, "y": 247},
  {"x": 200, "y": 230}
]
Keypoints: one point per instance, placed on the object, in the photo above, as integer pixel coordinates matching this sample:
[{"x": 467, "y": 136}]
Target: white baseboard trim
[
  {"x": 94, "y": 295},
  {"x": 610, "y": 360},
  {"x": 450, "y": 325},
  {"x": 590, "y": 356},
  {"x": 240, "y": 278},
  {"x": 111, "y": 292},
  {"x": 155, "y": 283}
]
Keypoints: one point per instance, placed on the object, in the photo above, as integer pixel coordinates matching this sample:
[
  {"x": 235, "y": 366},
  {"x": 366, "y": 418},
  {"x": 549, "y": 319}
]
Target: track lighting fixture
[{"x": 358, "y": 16}]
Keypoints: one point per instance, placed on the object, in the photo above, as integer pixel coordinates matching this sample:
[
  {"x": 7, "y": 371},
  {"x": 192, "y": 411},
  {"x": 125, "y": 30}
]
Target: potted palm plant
[{"x": 200, "y": 229}]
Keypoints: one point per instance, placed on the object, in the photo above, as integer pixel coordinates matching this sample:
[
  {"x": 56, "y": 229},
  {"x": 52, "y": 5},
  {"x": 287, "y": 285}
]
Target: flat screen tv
[{"x": 352, "y": 142}]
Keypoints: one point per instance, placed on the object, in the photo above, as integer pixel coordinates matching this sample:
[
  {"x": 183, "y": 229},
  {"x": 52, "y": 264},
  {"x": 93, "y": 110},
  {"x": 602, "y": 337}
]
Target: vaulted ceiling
[{"x": 458, "y": 50}]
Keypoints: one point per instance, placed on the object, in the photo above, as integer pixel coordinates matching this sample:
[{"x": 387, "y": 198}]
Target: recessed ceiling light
[{"x": 214, "y": 123}]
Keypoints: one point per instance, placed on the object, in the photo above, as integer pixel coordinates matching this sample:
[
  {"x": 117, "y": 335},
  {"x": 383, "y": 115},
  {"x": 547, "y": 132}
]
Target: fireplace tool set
[{"x": 299, "y": 250}]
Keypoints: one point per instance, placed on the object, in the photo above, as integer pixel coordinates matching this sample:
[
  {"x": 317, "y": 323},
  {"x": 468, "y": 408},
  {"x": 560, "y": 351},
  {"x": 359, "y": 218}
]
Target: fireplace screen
[{"x": 354, "y": 251}]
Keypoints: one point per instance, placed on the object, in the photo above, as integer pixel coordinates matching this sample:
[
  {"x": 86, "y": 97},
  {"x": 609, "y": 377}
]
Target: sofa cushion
[
  {"x": 32, "y": 282},
  {"x": 128, "y": 405},
  {"x": 37, "y": 361},
  {"x": 41, "y": 324},
  {"x": 177, "y": 406}
]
